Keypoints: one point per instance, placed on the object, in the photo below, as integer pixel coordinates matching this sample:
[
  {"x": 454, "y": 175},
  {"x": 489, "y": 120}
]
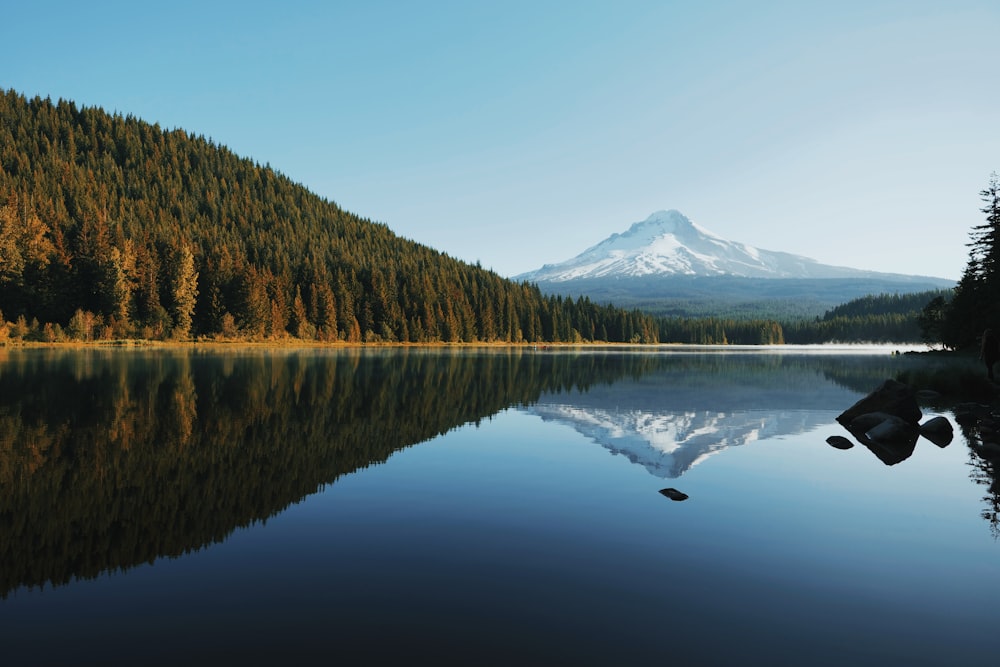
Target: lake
[{"x": 481, "y": 506}]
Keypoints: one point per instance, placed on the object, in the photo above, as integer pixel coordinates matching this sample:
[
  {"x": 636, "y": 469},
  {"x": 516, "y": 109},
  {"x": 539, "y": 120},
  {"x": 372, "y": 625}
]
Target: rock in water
[
  {"x": 888, "y": 437},
  {"x": 674, "y": 494},
  {"x": 839, "y": 441},
  {"x": 862, "y": 423},
  {"x": 892, "y": 397},
  {"x": 938, "y": 430},
  {"x": 892, "y": 430}
]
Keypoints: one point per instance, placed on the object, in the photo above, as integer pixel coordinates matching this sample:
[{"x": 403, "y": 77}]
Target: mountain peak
[
  {"x": 668, "y": 243},
  {"x": 662, "y": 222},
  {"x": 670, "y": 218}
]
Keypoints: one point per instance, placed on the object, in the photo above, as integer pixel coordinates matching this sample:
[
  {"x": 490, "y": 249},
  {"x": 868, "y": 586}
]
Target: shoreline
[{"x": 294, "y": 343}]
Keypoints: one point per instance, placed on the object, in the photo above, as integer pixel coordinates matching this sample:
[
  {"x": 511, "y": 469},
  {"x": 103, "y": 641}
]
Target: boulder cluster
[{"x": 887, "y": 421}]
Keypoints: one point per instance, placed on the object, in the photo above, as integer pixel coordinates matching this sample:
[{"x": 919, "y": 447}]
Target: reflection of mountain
[
  {"x": 669, "y": 444},
  {"x": 676, "y": 417}
]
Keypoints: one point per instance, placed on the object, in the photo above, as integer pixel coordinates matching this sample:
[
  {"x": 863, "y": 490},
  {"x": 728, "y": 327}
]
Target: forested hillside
[
  {"x": 882, "y": 318},
  {"x": 111, "y": 227}
]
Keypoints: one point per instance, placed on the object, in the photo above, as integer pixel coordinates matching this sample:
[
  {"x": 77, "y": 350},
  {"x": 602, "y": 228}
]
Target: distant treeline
[
  {"x": 721, "y": 331},
  {"x": 883, "y": 318}
]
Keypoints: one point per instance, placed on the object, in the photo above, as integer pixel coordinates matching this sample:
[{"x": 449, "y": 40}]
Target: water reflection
[
  {"x": 981, "y": 427},
  {"x": 692, "y": 407},
  {"x": 109, "y": 459}
]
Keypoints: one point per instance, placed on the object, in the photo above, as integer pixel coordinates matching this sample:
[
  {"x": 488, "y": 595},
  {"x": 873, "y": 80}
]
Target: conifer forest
[{"x": 111, "y": 227}]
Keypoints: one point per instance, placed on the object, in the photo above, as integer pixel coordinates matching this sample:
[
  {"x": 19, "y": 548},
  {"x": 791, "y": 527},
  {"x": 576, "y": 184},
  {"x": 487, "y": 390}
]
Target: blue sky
[{"x": 520, "y": 133}]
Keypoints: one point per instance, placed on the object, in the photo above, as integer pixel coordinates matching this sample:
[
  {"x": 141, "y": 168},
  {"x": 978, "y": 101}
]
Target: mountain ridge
[{"x": 670, "y": 266}]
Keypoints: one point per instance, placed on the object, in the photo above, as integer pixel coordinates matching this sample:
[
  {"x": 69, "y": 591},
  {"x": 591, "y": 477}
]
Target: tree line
[
  {"x": 882, "y": 318},
  {"x": 877, "y": 318}
]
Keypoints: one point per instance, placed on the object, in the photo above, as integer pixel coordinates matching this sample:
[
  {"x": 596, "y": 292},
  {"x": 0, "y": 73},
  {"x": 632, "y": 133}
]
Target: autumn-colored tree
[{"x": 184, "y": 290}]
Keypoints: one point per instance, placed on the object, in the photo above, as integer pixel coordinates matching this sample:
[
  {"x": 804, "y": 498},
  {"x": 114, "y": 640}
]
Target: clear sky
[{"x": 520, "y": 133}]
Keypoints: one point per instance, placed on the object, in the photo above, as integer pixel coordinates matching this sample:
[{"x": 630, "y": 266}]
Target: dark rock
[
  {"x": 938, "y": 430},
  {"x": 888, "y": 437},
  {"x": 861, "y": 424},
  {"x": 839, "y": 441},
  {"x": 892, "y": 397},
  {"x": 892, "y": 430},
  {"x": 892, "y": 441},
  {"x": 674, "y": 494}
]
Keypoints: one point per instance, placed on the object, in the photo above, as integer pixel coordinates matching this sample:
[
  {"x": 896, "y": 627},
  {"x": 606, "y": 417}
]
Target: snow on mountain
[
  {"x": 668, "y": 243},
  {"x": 669, "y": 444}
]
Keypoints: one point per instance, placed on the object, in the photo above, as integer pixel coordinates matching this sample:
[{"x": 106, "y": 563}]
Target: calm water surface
[{"x": 480, "y": 507}]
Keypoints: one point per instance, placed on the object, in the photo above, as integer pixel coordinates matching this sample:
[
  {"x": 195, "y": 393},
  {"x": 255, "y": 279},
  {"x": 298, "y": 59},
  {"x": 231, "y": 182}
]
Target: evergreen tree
[
  {"x": 184, "y": 289},
  {"x": 976, "y": 304}
]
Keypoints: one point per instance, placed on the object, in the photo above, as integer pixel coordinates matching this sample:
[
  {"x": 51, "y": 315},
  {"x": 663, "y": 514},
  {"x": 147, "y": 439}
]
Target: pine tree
[
  {"x": 184, "y": 290},
  {"x": 976, "y": 304}
]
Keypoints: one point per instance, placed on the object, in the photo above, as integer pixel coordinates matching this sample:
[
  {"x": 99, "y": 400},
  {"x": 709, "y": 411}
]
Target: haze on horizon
[{"x": 521, "y": 133}]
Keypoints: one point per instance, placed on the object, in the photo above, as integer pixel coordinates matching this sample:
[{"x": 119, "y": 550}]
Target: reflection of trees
[
  {"x": 113, "y": 458},
  {"x": 864, "y": 373},
  {"x": 979, "y": 426},
  {"x": 984, "y": 472}
]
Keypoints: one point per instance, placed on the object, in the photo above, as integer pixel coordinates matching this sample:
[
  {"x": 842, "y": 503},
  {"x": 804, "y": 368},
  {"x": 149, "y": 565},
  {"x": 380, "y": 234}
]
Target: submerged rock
[
  {"x": 839, "y": 441},
  {"x": 674, "y": 494}
]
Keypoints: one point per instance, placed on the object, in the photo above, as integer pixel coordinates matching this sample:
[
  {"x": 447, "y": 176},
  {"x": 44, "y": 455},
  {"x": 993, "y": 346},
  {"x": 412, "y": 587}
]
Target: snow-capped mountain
[
  {"x": 667, "y": 243},
  {"x": 669, "y": 443}
]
